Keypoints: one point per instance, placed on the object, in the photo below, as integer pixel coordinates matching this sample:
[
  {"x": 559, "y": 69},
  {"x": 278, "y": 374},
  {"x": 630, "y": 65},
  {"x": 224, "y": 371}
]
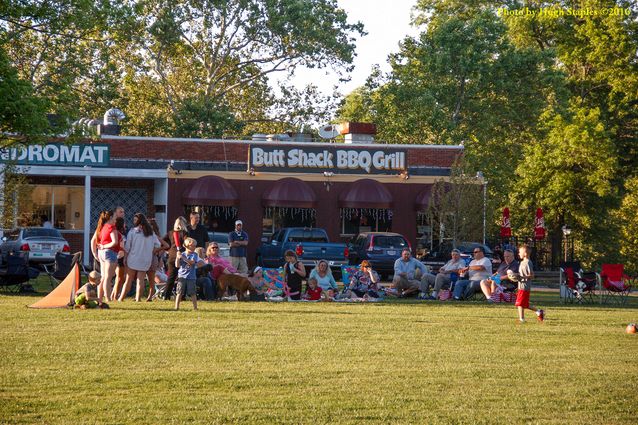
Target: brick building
[{"x": 344, "y": 188}]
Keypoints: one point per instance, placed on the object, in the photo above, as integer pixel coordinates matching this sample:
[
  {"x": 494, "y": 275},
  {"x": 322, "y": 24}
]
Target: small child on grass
[
  {"x": 187, "y": 262},
  {"x": 525, "y": 276},
  {"x": 86, "y": 296},
  {"x": 313, "y": 291}
]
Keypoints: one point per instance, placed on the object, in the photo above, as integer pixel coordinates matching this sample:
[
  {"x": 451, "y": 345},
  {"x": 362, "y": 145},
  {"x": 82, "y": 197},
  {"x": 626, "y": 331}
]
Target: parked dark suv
[{"x": 381, "y": 249}]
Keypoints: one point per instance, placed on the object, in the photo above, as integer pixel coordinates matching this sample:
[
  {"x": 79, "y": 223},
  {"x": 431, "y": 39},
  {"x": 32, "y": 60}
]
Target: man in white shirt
[{"x": 480, "y": 268}]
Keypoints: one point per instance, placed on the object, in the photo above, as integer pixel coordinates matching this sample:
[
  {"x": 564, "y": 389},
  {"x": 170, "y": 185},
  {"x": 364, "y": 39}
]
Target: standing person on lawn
[
  {"x": 175, "y": 238},
  {"x": 156, "y": 262},
  {"x": 525, "y": 276},
  {"x": 293, "y": 276},
  {"x": 103, "y": 246},
  {"x": 238, "y": 241},
  {"x": 141, "y": 242},
  {"x": 120, "y": 270},
  {"x": 197, "y": 231},
  {"x": 187, "y": 263}
]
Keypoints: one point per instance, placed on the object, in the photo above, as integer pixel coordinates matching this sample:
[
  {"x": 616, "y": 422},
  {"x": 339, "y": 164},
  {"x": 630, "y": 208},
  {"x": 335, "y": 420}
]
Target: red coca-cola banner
[
  {"x": 506, "y": 227},
  {"x": 539, "y": 225}
]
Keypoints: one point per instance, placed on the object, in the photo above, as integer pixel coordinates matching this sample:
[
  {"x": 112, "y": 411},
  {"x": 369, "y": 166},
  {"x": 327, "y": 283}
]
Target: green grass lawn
[{"x": 393, "y": 362}]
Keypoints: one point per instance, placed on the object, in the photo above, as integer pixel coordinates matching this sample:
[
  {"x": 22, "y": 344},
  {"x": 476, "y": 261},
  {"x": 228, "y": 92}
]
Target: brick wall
[{"x": 235, "y": 151}]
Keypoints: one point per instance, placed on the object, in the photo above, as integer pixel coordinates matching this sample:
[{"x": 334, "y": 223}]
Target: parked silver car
[
  {"x": 41, "y": 243},
  {"x": 221, "y": 239}
]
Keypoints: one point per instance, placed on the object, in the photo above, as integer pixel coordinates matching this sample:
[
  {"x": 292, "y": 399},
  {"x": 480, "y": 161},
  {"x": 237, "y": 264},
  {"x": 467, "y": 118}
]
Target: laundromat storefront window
[{"x": 62, "y": 206}]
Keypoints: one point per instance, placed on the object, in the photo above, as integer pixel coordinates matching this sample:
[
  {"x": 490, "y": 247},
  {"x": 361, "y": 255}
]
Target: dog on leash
[{"x": 239, "y": 283}]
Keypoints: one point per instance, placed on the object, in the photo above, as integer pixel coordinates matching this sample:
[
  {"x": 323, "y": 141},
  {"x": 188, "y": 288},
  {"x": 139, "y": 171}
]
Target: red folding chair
[{"x": 615, "y": 284}]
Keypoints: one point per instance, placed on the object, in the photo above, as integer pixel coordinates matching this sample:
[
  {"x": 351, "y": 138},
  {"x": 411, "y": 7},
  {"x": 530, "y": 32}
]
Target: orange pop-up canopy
[{"x": 62, "y": 296}]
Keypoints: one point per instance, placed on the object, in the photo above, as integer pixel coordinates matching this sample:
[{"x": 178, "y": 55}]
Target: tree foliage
[
  {"x": 176, "y": 67},
  {"x": 456, "y": 207},
  {"x": 545, "y": 104},
  {"x": 22, "y": 114}
]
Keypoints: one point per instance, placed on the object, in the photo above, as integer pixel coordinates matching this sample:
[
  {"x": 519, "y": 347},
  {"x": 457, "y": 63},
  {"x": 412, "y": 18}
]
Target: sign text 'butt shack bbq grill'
[{"x": 338, "y": 160}]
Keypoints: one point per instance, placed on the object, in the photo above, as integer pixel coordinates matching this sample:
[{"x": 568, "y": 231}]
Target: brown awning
[
  {"x": 366, "y": 193},
  {"x": 211, "y": 190},
  {"x": 290, "y": 192},
  {"x": 422, "y": 201}
]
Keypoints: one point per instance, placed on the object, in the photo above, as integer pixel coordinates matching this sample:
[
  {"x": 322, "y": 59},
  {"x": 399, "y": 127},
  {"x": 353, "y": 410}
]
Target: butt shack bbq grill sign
[{"x": 337, "y": 160}]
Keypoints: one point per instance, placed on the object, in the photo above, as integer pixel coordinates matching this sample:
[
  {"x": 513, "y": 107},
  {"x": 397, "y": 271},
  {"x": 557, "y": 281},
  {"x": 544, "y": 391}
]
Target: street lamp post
[
  {"x": 566, "y": 232},
  {"x": 479, "y": 175}
]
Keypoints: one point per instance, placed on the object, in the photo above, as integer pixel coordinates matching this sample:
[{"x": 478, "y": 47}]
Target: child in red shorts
[{"x": 525, "y": 276}]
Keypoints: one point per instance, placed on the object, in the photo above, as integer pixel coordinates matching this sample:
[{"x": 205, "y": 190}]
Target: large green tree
[
  {"x": 545, "y": 103},
  {"x": 68, "y": 50},
  {"x": 176, "y": 67},
  {"x": 199, "y": 56},
  {"x": 462, "y": 81},
  {"x": 591, "y": 149}
]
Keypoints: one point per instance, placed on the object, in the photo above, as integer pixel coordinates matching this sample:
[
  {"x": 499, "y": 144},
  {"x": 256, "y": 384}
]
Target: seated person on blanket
[
  {"x": 405, "y": 280},
  {"x": 325, "y": 280},
  {"x": 480, "y": 268},
  {"x": 313, "y": 290},
  {"x": 204, "y": 283},
  {"x": 443, "y": 278},
  {"x": 364, "y": 282},
  {"x": 86, "y": 296},
  {"x": 259, "y": 283},
  {"x": 488, "y": 286}
]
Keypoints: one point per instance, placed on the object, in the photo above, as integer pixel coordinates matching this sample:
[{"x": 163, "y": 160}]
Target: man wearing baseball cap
[{"x": 238, "y": 241}]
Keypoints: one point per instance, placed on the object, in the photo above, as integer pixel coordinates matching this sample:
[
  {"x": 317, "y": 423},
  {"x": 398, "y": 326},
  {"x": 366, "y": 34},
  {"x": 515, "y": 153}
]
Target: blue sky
[{"x": 386, "y": 22}]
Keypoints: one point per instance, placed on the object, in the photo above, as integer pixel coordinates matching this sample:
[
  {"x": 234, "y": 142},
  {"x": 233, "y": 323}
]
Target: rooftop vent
[{"x": 111, "y": 126}]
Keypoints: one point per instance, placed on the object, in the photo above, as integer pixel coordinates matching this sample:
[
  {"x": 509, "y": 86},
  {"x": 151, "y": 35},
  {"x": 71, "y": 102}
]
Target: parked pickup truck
[{"x": 310, "y": 245}]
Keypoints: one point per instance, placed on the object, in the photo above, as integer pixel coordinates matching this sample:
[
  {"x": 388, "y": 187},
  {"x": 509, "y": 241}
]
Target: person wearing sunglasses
[{"x": 479, "y": 268}]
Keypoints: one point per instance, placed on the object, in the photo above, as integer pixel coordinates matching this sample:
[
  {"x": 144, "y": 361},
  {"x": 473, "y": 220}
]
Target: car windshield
[
  {"x": 468, "y": 249},
  {"x": 42, "y": 233},
  {"x": 220, "y": 238},
  {"x": 307, "y": 235},
  {"x": 389, "y": 242}
]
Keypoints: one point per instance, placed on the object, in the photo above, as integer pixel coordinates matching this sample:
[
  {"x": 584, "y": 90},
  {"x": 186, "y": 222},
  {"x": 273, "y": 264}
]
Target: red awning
[
  {"x": 422, "y": 201},
  {"x": 366, "y": 193},
  {"x": 211, "y": 190},
  {"x": 290, "y": 192}
]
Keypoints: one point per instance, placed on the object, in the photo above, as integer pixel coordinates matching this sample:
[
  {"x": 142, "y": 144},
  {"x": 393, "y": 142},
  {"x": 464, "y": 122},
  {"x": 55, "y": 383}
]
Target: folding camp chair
[
  {"x": 64, "y": 262},
  {"x": 615, "y": 284},
  {"x": 346, "y": 275},
  {"x": 274, "y": 278},
  {"x": 16, "y": 273},
  {"x": 586, "y": 284}
]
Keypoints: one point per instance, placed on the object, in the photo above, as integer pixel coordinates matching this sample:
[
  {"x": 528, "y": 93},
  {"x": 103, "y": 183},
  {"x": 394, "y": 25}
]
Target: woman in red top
[{"x": 105, "y": 241}]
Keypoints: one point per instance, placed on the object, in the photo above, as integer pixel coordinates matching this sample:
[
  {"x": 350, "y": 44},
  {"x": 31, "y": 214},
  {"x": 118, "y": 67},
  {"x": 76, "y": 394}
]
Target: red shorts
[{"x": 522, "y": 299}]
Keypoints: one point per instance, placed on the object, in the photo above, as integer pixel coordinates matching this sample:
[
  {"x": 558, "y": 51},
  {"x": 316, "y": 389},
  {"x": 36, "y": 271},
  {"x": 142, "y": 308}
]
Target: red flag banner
[
  {"x": 539, "y": 225},
  {"x": 506, "y": 227}
]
